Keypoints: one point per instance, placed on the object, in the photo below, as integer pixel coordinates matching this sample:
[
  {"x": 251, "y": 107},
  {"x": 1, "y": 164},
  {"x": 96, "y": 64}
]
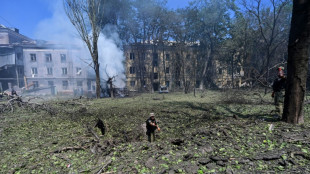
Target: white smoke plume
[
  {"x": 59, "y": 29},
  {"x": 111, "y": 57}
]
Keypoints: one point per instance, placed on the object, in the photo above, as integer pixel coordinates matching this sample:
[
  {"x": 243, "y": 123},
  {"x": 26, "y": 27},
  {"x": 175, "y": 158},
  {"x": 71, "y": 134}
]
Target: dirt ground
[{"x": 214, "y": 132}]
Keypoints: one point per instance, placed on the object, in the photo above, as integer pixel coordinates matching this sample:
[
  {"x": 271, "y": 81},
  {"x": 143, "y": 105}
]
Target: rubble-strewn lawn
[{"x": 211, "y": 133}]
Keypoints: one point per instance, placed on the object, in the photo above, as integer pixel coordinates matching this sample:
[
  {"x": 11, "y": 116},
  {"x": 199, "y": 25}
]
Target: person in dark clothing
[
  {"x": 278, "y": 93},
  {"x": 13, "y": 92},
  {"x": 151, "y": 126}
]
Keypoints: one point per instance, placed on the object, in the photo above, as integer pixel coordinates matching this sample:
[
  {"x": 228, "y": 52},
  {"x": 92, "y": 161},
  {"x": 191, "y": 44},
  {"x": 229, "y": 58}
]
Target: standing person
[
  {"x": 279, "y": 91},
  {"x": 151, "y": 126}
]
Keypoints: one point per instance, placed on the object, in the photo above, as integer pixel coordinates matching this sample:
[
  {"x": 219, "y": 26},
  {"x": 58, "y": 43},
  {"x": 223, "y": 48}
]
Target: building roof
[{"x": 11, "y": 38}]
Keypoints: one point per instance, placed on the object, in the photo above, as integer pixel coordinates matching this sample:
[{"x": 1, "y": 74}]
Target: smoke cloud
[
  {"x": 111, "y": 57},
  {"x": 59, "y": 29}
]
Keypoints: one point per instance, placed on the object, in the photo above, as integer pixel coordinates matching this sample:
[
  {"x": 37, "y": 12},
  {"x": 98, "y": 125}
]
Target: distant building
[
  {"x": 147, "y": 69},
  {"x": 41, "y": 67},
  {"x": 149, "y": 66}
]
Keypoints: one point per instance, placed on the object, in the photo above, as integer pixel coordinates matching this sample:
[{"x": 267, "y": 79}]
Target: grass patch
[{"x": 213, "y": 140}]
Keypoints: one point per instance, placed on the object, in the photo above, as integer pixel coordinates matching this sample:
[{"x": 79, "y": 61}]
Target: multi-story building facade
[
  {"x": 46, "y": 67},
  {"x": 149, "y": 66},
  {"x": 147, "y": 69},
  {"x": 42, "y": 68}
]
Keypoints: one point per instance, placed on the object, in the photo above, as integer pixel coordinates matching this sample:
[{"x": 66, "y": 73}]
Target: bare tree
[
  {"x": 87, "y": 18},
  {"x": 268, "y": 21},
  {"x": 297, "y": 64}
]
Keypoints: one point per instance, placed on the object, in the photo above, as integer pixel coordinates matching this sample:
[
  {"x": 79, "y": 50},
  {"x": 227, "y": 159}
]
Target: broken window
[
  {"x": 34, "y": 71},
  {"x": 65, "y": 84},
  {"x": 197, "y": 84},
  {"x": 50, "y": 71},
  {"x": 132, "y": 83},
  {"x": 143, "y": 56},
  {"x": 220, "y": 71},
  {"x": 33, "y": 57},
  {"x": 48, "y": 57},
  {"x": 19, "y": 56},
  {"x": 79, "y": 83},
  {"x": 64, "y": 71},
  {"x": 20, "y": 70},
  {"x": 63, "y": 58},
  {"x": 188, "y": 70},
  {"x": 132, "y": 56},
  {"x": 155, "y": 75},
  {"x": 35, "y": 84},
  {"x": 167, "y": 57},
  {"x": 167, "y": 70},
  {"x": 155, "y": 59},
  {"x": 50, "y": 83},
  {"x": 132, "y": 70},
  {"x": 78, "y": 71},
  {"x": 177, "y": 56},
  {"x": 167, "y": 83},
  {"x": 89, "y": 85}
]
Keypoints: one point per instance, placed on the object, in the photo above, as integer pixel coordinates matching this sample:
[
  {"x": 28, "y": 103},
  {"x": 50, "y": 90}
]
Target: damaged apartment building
[
  {"x": 150, "y": 67},
  {"x": 39, "y": 67}
]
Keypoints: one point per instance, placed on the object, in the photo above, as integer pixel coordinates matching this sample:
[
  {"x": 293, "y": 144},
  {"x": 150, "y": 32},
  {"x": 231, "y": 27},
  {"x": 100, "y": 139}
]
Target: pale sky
[{"x": 26, "y": 15}]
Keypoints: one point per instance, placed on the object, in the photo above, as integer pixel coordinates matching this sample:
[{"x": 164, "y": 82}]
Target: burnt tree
[{"x": 297, "y": 64}]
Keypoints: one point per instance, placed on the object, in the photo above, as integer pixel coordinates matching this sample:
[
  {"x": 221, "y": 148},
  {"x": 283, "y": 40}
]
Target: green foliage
[{"x": 28, "y": 141}]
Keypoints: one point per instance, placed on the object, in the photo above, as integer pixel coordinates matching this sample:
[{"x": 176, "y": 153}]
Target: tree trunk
[
  {"x": 95, "y": 57},
  {"x": 97, "y": 80},
  {"x": 111, "y": 87},
  {"x": 297, "y": 64},
  {"x": 232, "y": 71}
]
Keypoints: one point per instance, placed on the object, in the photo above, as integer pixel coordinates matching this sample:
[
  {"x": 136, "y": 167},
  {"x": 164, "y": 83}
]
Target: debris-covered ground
[{"x": 214, "y": 132}]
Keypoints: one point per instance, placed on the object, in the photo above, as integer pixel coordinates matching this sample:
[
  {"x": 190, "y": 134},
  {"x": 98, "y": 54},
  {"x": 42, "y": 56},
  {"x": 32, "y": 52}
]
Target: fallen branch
[
  {"x": 267, "y": 157},
  {"x": 109, "y": 161},
  {"x": 89, "y": 170},
  {"x": 274, "y": 66},
  {"x": 90, "y": 130},
  {"x": 11, "y": 103},
  {"x": 300, "y": 154},
  {"x": 65, "y": 149},
  {"x": 32, "y": 98},
  {"x": 261, "y": 98}
]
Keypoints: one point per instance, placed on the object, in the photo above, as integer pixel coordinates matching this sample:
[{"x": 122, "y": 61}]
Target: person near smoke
[
  {"x": 151, "y": 126},
  {"x": 13, "y": 92},
  {"x": 279, "y": 91}
]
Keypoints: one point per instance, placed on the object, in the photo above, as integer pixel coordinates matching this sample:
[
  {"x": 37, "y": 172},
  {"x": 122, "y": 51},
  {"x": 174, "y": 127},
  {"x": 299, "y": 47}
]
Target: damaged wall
[{"x": 61, "y": 68}]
